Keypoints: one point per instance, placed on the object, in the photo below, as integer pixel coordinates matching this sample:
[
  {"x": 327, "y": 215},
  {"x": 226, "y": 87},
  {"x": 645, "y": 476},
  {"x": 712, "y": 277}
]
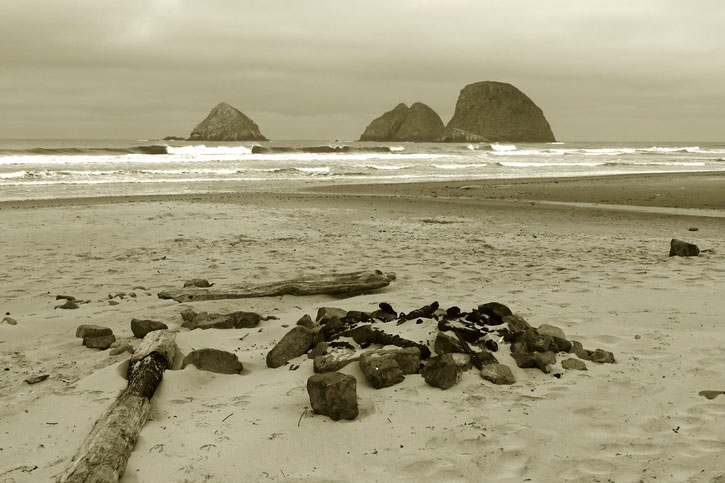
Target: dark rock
[
  {"x": 453, "y": 312},
  {"x": 491, "y": 345},
  {"x": 524, "y": 360},
  {"x": 495, "y": 311},
  {"x": 455, "y": 135},
  {"x": 92, "y": 331},
  {"x": 335, "y": 359},
  {"x": 498, "y": 374},
  {"x": 463, "y": 361},
  {"x": 306, "y": 321},
  {"x": 544, "y": 361},
  {"x": 485, "y": 357},
  {"x": 329, "y": 312},
  {"x": 572, "y": 364},
  {"x": 536, "y": 342},
  {"x": 294, "y": 343},
  {"x": 331, "y": 326},
  {"x": 387, "y": 308},
  {"x": 383, "y": 316},
  {"x": 602, "y": 357},
  {"x": 710, "y": 394},
  {"x": 225, "y": 123},
  {"x": 446, "y": 344},
  {"x": 319, "y": 350},
  {"x": 500, "y": 112},
  {"x": 9, "y": 320},
  {"x": 683, "y": 249},
  {"x": 69, "y": 305},
  {"x": 419, "y": 123},
  {"x": 36, "y": 379},
  {"x": 174, "y": 138},
  {"x": 381, "y": 370},
  {"x": 245, "y": 320},
  {"x": 425, "y": 312},
  {"x": 441, "y": 371},
  {"x": 198, "y": 282},
  {"x": 213, "y": 360},
  {"x": 65, "y": 297},
  {"x": 142, "y": 327},
  {"x": 234, "y": 320},
  {"x": 355, "y": 316},
  {"x": 333, "y": 394},
  {"x": 102, "y": 342},
  {"x": 580, "y": 351},
  {"x": 558, "y": 336}
]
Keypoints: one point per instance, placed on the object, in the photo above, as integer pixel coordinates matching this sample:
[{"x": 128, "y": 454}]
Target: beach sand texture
[{"x": 602, "y": 275}]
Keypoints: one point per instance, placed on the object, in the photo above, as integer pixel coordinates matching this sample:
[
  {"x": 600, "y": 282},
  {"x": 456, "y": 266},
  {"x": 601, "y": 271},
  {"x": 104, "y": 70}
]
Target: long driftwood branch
[
  {"x": 332, "y": 284},
  {"x": 103, "y": 455}
]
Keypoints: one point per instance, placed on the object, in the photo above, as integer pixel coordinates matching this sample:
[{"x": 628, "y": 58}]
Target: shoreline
[{"x": 691, "y": 190}]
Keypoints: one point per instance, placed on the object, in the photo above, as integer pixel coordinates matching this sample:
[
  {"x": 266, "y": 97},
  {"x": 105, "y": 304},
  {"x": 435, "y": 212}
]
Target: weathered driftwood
[
  {"x": 331, "y": 284},
  {"x": 103, "y": 455}
]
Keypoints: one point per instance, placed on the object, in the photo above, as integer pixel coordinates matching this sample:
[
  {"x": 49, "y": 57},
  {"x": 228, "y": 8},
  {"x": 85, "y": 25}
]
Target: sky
[{"x": 647, "y": 70}]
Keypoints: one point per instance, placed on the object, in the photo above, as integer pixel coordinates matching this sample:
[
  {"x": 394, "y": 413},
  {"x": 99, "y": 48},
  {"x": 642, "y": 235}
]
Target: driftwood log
[
  {"x": 103, "y": 455},
  {"x": 331, "y": 284}
]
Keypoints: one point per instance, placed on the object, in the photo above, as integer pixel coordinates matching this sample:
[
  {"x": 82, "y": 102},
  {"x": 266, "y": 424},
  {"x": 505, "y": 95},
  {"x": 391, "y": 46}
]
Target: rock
[
  {"x": 551, "y": 331},
  {"x": 383, "y": 316},
  {"x": 119, "y": 348},
  {"x": 9, "y": 321},
  {"x": 294, "y": 343},
  {"x": 602, "y": 357},
  {"x": 319, "y": 350},
  {"x": 581, "y": 352},
  {"x": 102, "y": 342},
  {"x": 198, "y": 282},
  {"x": 141, "y": 327},
  {"x": 234, "y": 320},
  {"x": 381, "y": 369},
  {"x": 334, "y": 360},
  {"x": 419, "y": 123},
  {"x": 36, "y": 379},
  {"x": 324, "y": 313},
  {"x": 355, "y": 316},
  {"x": 225, "y": 123},
  {"x": 455, "y": 135},
  {"x": 174, "y": 138},
  {"x": 500, "y": 112},
  {"x": 441, "y": 371},
  {"x": 683, "y": 249},
  {"x": 446, "y": 344},
  {"x": 213, "y": 360},
  {"x": 113, "y": 303},
  {"x": 495, "y": 311},
  {"x": 425, "y": 312},
  {"x": 331, "y": 326},
  {"x": 536, "y": 342},
  {"x": 498, "y": 374},
  {"x": 544, "y": 361},
  {"x": 463, "y": 361},
  {"x": 333, "y": 394},
  {"x": 519, "y": 346},
  {"x": 65, "y": 297},
  {"x": 524, "y": 360},
  {"x": 69, "y": 305},
  {"x": 486, "y": 357},
  {"x": 92, "y": 331},
  {"x": 572, "y": 364},
  {"x": 387, "y": 308},
  {"x": 306, "y": 321},
  {"x": 710, "y": 394}
]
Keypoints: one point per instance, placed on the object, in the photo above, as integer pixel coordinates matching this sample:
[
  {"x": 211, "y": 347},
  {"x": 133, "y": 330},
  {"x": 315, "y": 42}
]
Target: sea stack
[
  {"x": 417, "y": 123},
  {"x": 226, "y": 123},
  {"x": 499, "y": 112}
]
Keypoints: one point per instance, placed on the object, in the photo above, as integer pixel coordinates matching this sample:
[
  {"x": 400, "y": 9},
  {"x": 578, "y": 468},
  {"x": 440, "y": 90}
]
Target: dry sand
[{"x": 600, "y": 273}]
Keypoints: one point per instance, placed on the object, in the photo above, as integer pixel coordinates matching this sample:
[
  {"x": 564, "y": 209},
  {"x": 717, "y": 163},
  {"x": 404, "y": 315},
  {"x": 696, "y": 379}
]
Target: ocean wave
[
  {"x": 204, "y": 150},
  {"x": 154, "y": 149},
  {"x": 325, "y": 149},
  {"x": 458, "y": 166},
  {"x": 503, "y": 147},
  {"x": 653, "y": 163}
]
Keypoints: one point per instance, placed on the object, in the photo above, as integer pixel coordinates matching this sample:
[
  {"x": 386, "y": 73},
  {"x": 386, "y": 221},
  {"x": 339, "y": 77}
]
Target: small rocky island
[
  {"x": 500, "y": 112},
  {"x": 226, "y": 123},
  {"x": 485, "y": 112},
  {"x": 418, "y": 123}
]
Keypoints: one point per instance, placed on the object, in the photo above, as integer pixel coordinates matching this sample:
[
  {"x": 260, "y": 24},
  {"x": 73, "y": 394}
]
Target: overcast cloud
[{"x": 609, "y": 70}]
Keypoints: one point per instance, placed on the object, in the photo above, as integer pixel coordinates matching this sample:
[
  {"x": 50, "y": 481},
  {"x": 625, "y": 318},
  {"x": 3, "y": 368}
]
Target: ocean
[{"x": 43, "y": 169}]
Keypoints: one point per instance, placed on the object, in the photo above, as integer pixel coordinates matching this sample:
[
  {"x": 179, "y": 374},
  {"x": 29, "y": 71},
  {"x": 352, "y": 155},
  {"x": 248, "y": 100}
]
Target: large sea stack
[
  {"x": 499, "y": 112},
  {"x": 418, "y": 123},
  {"x": 226, "y": 123}
]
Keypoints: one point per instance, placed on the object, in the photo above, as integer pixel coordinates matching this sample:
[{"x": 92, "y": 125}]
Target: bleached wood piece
[
  {"x": 331, "y": 284},
  {"x": 103, "y": 456}
]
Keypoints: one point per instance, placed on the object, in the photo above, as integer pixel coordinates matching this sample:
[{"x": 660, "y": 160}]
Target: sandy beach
[{"x": 588, "y": 255}]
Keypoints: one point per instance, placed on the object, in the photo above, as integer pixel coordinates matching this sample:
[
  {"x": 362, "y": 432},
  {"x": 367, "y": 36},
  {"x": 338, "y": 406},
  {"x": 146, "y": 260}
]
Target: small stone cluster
[{"x": 463, "y": 340}]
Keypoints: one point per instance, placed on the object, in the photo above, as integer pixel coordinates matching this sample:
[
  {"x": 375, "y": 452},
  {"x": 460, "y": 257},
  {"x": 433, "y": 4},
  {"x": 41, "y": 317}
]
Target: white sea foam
[
  {"x": 397, "y": 148},
  {"x": 503, "y": 147},
  {"x": 459, "y": 166},
  {"x": 203, "y": 150}
]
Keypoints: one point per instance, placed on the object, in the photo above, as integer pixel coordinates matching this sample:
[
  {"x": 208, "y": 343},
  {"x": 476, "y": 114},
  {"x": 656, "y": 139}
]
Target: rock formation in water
[
  {"x": 225, "y": 123},
  {"x": 417, "y": 123},
  {"x": 500, "y": 112}
]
